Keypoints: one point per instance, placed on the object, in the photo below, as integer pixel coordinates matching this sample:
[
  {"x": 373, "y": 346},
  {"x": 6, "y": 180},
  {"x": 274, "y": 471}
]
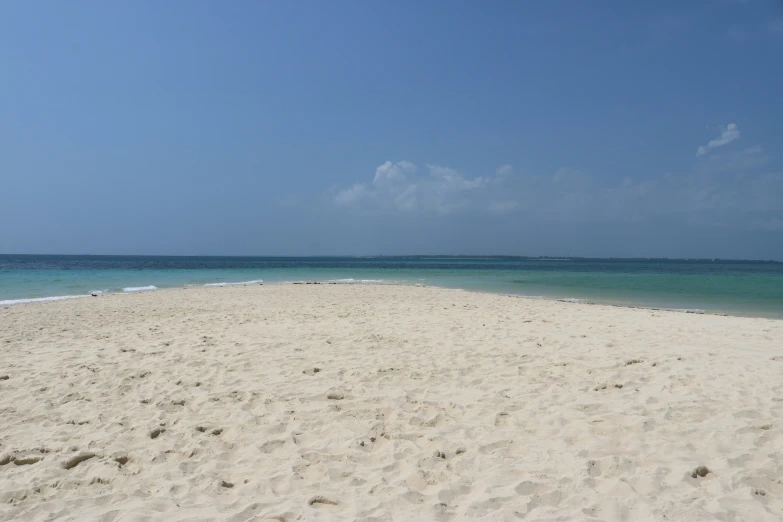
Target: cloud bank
[
  {"x": 397, "y": 187},
  {"x": 724, "y": 193}
]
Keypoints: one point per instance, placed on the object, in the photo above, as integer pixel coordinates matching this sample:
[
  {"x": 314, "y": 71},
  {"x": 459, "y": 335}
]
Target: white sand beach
[{"x": 361, "y": 402}]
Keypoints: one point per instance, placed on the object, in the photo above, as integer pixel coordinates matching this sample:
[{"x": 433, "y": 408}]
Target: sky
[{"x": 568, "y": 128}]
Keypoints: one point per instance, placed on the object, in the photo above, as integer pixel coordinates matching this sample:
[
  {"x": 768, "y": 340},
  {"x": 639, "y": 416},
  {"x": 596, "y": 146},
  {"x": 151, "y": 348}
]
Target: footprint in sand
[
  {"x": 700, "y": 472},
  {"x": 122, "y": 460},
  {"x": 321, "y": 501},
  {"x": 501, "y": 419},
  {"x": 26, "y": 461},
  {"x": 272, "y": 445},
  {"x": 78, "y": 459}
]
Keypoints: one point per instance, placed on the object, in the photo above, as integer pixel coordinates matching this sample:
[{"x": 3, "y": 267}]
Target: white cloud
[
  {"x": 451, "y": 179},
  {"x": 504, "y": 170},
  {"x": 406, "y": 200},
  {"x": 351, "y": 195},
  {"x": 569, "y": 177},
  {"x": 735, "y": 160},
  {"x": 727, "y": 135},
  {"x": 396, "y": 186},
  {"x": 393, "y": 172}
]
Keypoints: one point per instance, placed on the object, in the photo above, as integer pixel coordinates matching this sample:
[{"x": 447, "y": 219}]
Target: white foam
[
  {"x": 253, "y": 282},
  {"x": 570, "y": 300},
  {"x": 39, "y": 299},
  {"x": 352, "y": 280},
  {"x": 689, "y": 310},
  {"x": 139, "y": 288}
]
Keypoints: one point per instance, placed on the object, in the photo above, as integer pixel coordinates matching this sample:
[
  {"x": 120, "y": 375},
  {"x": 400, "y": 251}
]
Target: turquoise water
[{"x": 737, "y": 287}]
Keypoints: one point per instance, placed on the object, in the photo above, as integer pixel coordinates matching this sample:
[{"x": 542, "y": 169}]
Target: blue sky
[{"x": 607, "y": 128}]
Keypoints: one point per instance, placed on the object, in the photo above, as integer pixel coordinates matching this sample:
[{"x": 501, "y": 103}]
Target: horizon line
[{"x": 365, "y": 256}]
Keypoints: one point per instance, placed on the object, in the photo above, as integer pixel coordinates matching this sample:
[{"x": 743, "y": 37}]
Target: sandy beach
[{"x": 363, "y": 402}]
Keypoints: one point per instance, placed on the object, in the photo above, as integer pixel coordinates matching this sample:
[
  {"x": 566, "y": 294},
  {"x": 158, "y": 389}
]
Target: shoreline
[{"x": 575, "y": 300}]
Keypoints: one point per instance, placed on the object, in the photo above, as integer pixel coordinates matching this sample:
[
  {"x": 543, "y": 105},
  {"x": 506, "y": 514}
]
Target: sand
[{"x": 342, "y": 402}]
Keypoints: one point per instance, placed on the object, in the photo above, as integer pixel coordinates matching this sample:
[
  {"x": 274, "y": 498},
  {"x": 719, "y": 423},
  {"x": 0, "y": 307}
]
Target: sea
[{"x": 748, "y": 288}]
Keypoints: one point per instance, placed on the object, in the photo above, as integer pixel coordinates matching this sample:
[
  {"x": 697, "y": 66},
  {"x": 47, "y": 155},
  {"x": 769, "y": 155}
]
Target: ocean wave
[
  {"x": 40, "y": 299},
  {"x": 570, "y": 300},
  {"x": 139, "y": 288},
  {"x": 688, "y": 310},
  {"x": 253, "y": 282},
  {"x": 352, "y": 280}
]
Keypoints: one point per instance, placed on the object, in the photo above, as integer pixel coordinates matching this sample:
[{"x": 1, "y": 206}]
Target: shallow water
[{"x": 736, "y": 287}]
